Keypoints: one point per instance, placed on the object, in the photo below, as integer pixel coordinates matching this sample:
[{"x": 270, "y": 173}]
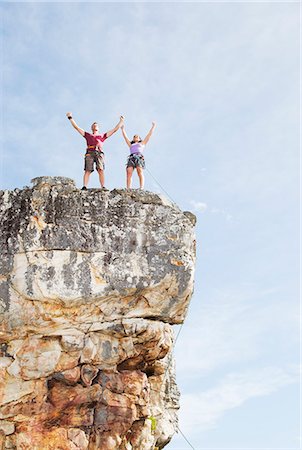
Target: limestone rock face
[{"x": 91, "y": 283}]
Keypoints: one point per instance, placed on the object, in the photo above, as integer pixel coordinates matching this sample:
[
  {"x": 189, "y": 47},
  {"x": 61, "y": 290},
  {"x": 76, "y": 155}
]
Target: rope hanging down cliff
[
  {"x": 163, "y": 189},
  {"x": 164, "y": 379},
  {"x": 169, "y": 362}
]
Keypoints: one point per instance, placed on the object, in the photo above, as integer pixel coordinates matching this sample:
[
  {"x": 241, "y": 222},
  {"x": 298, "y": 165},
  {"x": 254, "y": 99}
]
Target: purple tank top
[{"x": 137, "y": 147}]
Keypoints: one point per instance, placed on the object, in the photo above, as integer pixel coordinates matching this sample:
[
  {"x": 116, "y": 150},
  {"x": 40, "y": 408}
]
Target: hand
[
  {"x": 122, "y": 118},
  {"x": 68, "y": 114},
  {"x": 153, "y": 124}
]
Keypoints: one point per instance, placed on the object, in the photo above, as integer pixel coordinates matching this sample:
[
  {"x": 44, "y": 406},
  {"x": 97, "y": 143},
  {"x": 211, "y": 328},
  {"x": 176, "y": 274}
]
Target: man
[{"x": 94, "y": 153}]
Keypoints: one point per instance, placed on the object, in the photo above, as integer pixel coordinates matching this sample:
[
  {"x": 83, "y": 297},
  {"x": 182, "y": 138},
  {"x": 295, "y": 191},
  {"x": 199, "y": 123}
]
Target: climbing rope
[
  {"x": 175, "y": 341},
  {"x": 164, "y": 379},
  {"x": 185, "y": 438},
  {"x": 162, "y": 188}
]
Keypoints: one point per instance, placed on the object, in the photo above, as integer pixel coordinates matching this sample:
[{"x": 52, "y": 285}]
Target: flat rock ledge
[{"x": 91, "y": 283}]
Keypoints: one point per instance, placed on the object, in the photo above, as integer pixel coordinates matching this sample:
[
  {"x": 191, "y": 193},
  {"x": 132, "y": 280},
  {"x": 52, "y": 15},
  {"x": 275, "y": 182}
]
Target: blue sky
[{"x": 221, "y": 79}]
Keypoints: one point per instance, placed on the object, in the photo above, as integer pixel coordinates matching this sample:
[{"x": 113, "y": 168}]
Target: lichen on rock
[{"x": 91, "y": 283}]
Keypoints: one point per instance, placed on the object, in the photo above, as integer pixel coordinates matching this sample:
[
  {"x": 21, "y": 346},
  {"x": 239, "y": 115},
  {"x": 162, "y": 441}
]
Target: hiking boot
[
  {"x": 84, "y": 188},
  {"x": 104, "y": 188}
]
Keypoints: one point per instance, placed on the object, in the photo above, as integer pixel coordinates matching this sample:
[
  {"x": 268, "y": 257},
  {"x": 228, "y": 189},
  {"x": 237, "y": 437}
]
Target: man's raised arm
[
  {"x": 109, "y": 133},
  {"x": 69, "y": 115}
]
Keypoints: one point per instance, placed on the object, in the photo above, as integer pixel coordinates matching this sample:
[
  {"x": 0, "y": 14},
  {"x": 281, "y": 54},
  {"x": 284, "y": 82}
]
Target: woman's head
[
  {"x": 95, "y": 127},
  {"x": 136, "y": 138}
]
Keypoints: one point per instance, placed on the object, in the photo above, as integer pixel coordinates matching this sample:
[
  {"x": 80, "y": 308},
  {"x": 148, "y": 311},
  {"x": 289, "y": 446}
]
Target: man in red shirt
[{"x": 94, "y": 153}]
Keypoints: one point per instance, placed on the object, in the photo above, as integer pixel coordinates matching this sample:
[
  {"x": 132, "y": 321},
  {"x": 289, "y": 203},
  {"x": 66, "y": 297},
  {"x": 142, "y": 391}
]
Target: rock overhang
[{"x": 70, "y": 247}]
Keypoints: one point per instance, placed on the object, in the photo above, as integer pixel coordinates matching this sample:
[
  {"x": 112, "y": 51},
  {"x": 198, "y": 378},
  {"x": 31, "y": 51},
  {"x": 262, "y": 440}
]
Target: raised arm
[
  {"x": 110, "y": 132},
  {"x": 125, "y": 136},
  {"x": 149, "y": 134},
  {"x": 69, "y": 115}
]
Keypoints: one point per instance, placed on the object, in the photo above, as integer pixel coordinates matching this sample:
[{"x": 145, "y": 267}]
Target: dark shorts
[
  {"x": 136, "y": 160},
  {"x": 96, "y": 158}
]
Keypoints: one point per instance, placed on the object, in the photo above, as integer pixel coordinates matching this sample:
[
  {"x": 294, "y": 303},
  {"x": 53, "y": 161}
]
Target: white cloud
[
  {"x": 199, "y": 206},
  {"x": 206, "y": 408},
  {"x": 203, "y": 207},
  {"x": 222, "y": 212},
  {"x": 229, "y": 322}
]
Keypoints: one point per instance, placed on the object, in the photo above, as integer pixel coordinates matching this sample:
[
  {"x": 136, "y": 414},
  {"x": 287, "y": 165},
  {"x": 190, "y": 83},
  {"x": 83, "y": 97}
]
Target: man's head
[{"x": 95, "y": 127}]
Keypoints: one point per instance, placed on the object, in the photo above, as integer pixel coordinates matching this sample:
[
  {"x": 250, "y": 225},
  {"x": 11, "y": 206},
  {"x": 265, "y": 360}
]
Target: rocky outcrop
[{"x": 91, "y": 283}]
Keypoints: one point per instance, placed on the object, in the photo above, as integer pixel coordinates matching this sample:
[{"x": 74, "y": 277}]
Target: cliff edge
[{"x": 91, "y": 283}]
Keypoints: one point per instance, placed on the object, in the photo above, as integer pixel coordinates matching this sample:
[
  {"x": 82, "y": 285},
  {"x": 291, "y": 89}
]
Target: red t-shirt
[{"x": 95, "y": 139}]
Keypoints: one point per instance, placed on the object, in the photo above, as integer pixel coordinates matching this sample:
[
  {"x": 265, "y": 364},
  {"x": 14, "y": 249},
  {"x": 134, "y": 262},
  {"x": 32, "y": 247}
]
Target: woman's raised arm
[
  {"x": 125, "y": 136},
  {"x": 149, "y": 134}
]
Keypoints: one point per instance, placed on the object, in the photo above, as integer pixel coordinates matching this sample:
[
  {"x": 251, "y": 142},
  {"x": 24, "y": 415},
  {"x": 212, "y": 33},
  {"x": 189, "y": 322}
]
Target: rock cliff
[{"x": 91, "y": 283}]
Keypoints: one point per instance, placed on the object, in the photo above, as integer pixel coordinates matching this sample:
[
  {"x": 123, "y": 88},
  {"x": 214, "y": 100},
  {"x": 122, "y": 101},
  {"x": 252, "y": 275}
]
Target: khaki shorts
[{"x": 94, "y": 157}]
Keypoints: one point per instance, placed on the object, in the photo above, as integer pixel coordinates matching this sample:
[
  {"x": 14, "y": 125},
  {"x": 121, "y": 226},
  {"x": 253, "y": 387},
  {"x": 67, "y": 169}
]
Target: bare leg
[
  {"x": 129, "y": 171},
  {"x": 86, "y": 177},
  {"x": 140, "y": 173},
  {"x": 101, "y": 177}
]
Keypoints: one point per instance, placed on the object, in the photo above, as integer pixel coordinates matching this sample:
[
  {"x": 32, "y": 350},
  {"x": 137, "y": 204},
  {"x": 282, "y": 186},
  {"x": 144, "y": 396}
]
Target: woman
[{"x": 136, "y": 158}]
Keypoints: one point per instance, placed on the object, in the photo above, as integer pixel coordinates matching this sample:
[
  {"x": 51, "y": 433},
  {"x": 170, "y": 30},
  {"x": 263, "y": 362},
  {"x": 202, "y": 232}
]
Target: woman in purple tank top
[{"x": 136, "y": 158}]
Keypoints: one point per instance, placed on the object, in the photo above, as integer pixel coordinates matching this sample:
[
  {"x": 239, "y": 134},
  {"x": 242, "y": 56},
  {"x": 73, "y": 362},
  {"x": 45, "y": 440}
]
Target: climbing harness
[
  {"x": 94, "y": 148},
  {"x": 136, "y": 160}
]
